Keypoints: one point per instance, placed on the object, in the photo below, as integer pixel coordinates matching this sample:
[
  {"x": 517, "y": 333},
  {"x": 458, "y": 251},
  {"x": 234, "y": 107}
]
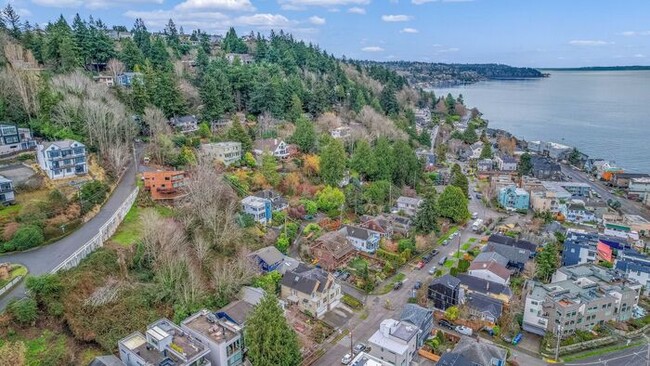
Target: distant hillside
[
  {"x": 436, "y": 74},
  {"x": 603, "y": 68}
]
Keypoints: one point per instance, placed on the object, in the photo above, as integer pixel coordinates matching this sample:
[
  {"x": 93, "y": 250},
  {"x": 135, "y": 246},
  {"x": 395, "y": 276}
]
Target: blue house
[
  {"x": 126, "y": 79},
  {"x": 513, "y": 198},
  {"x": 270, "y": 259}
]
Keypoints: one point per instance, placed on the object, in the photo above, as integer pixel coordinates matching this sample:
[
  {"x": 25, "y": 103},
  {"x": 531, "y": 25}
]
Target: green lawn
[
  {"x": 9, "y": 211},
  {"x": 450, "y": 263},
  {"x": 129, "y": 230},
  {"x": 18, "y": 270},
  {"x": 466, "y": 246},
  {"x": 472, "y": 240},
  {"x": 388, "y": 287},
  {"x": 447, "y": 235}
]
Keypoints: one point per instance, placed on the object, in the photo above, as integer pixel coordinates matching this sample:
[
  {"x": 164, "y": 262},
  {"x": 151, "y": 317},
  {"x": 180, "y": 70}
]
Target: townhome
[
  {"x": 545, "y": 168},
  {"x": 485, "y": 165},
  {"x": 409, "y": 205},
  {"x": 225, "y": 152},
  {"x": 579, "y": 297},
  {"x": 164, "y": 343},
  {"x": 62, "y": 159},
  {"x": 362, "y": 239},
  {"x": 577, "y": 212},
  {"x": 222, "y": 337},
  {"x": 517, "y": 243},
  {"x": 259, "y": 209},
  {"x": 7, "y": 195},
  {"x": 14, "y": 139},
  {"x": 275, "y": 147},
  {"x": 470, "y": 352},
  {"x": 445, "y": 291},
  {"x": 506, "y": 163},
  {"x": 513, "y": 198},
  {"x": 394, "y": 342},
  {"x": 312, "y": 290},
  {"x": 332, "y": 250},
  {"x": 420, "y": 317},
  {"x": 185, "y": 124},
  {"x": 490, "y": 271},
  {"x": 165, "y": 185}
]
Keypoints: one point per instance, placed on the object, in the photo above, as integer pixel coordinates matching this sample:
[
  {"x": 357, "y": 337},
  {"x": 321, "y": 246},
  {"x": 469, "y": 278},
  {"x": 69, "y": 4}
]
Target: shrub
[
  {"x": 351, "y": 302},
  {"x": 23, "y": 311},
  {"x": 28, "y": 236},
  {"x": 405, "y": 244},
  {"x": 92, "y": 193}
]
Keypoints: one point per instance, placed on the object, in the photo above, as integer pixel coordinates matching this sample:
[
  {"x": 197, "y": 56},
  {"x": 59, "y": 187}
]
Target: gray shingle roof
[
  {"x": 480, "y": 285},
  {"x": 416, "y": 314},
  {"x": 514, "y": 255},
  {"x": 522, "y": 244},
  {"x": 270, "y": 255},
  {"x": 357, "y": 232},
  {"x": 492, "y": 257},
  {"x": 480, "y": 353},
  {"x": 485, "y": 304},
  {"x": 447, "y": 281},
  {"x": 306, "y": 281}
]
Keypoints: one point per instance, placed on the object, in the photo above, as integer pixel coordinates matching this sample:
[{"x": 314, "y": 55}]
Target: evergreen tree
[
  {"x": 304, "y": 136},
  {"x": 60, "y": 49},
  {"x": 215, "y": 93},
  {"x": 11, "y": 20},
  {"x": 363, "y": 160},
  {"x": 486, "y": 152},
  {"x": 233, "y": 44},
  {"x": 408, "y": 170},
  {"x": 131, "y": 55},
  {"x": 424, "y": 138},
  {"x": 139, "y": 97},
  {"x": 102, "y": 48},
  {"x": 425, "y": 220},
  {"x": 82, "y": 38},
  {"x": 458, "y": 179},
  {"x": 332, "y": 163},
  {"x": 141, "y": 36},
  {"x": 547, "y": 262},
  {"x": 270, "y": 169},
  {"x": 388, "y": 100},
  {"x": 452, "y": 204},
  {"x": 450, "y": 103},
  {"x": 173, "y": 39},
  {"x": 441, "y": 153},
  {"x": 384, "y": 157},
  {"x": 237, "y": 133},
  {"x": 270, "y": 340},
  {"x": 525, "y": 166},
  {"x": 470, "y": 136},
  {"x": 158, "y": 55},
  {"x": 295, "y": 112}
]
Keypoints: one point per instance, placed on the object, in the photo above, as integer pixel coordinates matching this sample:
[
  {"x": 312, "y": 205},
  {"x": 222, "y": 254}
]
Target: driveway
[{"x": 43, "y": 259}]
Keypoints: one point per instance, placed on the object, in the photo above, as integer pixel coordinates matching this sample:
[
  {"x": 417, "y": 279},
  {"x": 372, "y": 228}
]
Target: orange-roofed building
[{"x": 165, "y": 185}]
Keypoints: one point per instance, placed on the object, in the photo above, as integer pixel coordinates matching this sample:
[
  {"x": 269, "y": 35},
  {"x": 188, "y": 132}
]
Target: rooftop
[
  {"x": 405, "y": 331},
  {"x": 383, "y": 339},
  {"x": 217, "y": 330},
  {"x": 365, "y": 359},
  {"x": 447, "y": 281},
  {"x": 254, "y": 201},
  {"x": 494, "y": 267}
]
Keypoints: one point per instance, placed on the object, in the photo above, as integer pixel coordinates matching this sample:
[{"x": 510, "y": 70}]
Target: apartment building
[
  {"x": 394, "y": 342},
  {"x": 579, "y": 297},
  {"x": 225, "y": 152},
  {"x": 62, "y": 159}
]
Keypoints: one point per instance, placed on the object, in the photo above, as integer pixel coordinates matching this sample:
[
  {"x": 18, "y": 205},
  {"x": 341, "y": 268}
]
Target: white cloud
[
  {"x": 357, "y": 10},
  {"x": 396, "y": 18},
  {"x": 92, "y": 4},
  {"x": 591, "y": 43},
  {"x": 238, "y": 5},
  {"x": 409, "y": 30},
  {"x": 372, "y": 49},
  {"x": 635, "y": 33},
  {"x": 303, "y": 4},
  {"x": 639, "y": 55},
  {"x": 316, "y": 20},
  {"x": 448, "y": 50}
]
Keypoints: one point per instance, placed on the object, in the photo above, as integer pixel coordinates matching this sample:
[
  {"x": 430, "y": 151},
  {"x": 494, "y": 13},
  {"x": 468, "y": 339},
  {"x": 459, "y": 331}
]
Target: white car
[
  {"x": 464, "y": 330},
  {"x": 346, "y": 359},
  {"x": 432, "y": 271}
]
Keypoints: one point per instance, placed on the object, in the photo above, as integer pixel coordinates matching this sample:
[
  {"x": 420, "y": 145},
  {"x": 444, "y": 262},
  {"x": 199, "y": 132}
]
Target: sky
[{"x": 534, "y": 33}]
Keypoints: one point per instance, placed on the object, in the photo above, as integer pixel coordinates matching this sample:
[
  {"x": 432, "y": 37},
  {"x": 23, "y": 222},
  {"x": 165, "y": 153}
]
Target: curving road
[{"x": 44, "y": 259}]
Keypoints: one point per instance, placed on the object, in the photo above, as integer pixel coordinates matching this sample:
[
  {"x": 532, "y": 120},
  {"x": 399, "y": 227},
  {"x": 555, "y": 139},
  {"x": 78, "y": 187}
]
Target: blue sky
[{"x": 542, "y": 33}]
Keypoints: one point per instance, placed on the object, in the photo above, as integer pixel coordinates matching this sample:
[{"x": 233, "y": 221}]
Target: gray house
[
  {"x": 62, "y": 159},
  {"x": 7, "y": 196}
]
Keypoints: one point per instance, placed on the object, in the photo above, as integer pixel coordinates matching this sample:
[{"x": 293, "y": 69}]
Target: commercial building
[
  {"x": 226, "y": 152},
  {"x": 394, "y": 342},
  {"x": 62, "y": 159},
  {"x": 579, "y": 297}
]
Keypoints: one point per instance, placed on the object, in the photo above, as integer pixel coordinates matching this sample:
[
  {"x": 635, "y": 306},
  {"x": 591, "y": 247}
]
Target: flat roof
[{"x": 208, "y": 325}]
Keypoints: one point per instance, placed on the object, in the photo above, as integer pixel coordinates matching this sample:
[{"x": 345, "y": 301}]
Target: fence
[
  {"x": 97, "y": 241},
  {"x": 10, "y": 285}
]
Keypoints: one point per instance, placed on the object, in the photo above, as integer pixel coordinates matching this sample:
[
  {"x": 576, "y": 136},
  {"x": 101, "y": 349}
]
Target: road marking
[{"x": 600, "y": 361}]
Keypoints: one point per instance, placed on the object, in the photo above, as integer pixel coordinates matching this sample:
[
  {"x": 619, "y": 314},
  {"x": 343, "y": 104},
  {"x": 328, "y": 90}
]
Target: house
[
  {"x": 341, "y": 132},
  {"x": 599, "y": 207},
  {"x": 117, "y": 35},
  {"x": 545, "y": 168},
  {"x": 225, "y": 152},
  {"x": 506, "y": 163},
  {"x": 244, "y": 58},
  {"x": 362, "y": 239},
  {"x": 185, "y": 124},
  {"x": 445, "y": 291},
  {"x": 476, "y": 149},
  {"x": 635, "y": 266},
  {"x": 278, "y": 203},
  {"x": 639, "y": 187},
  {"x": 258, "y": 208},
  {"x": 576, "y": 212},
  {"x": 484, "y": 165},
  {"x": 484, "y": 307},
  {"x": 490, "y": 271},
  {"x": 164, "y": 343},
  {"x": 165, "y": 185},
  {"x": 506, "y": 240},
  {"x": 126, "y": 79},
  {"x": 409, "y": 205},
  {"x": 421, "y": 318},
  {"x": 472, "y": 285},
  {"x": 7, "y": 195},
  {"x": 312, "y": 290},
  {"x": 270, "y": 259},
  {"x": 500, "y": 181},
  {"x": 491, "y": 257},
  {"x": 107, "y": 80},
  {"x": 222, "y": 337},
  {"x": 239, "y": 310},
  {"x": 550, "y": 149},
  {"x": 622, "y": 180},
  {"x": 513, "y": 198},
  {"x": 275, "y": 147},
  {"x": 62, "y": 159},
  {"x": 517, "y": 258},
  {"x": 470, "y": 352},
  {"x": 14, "y": 139},
  {"x": 107, "y": 360},
  {"x": 380, "y": 225},
  {"x": 579, "y": 298},
  {"x": 428, "y": 157},
  {"x": 394, "y": 342},
  {"x": 332, "y": 250}
]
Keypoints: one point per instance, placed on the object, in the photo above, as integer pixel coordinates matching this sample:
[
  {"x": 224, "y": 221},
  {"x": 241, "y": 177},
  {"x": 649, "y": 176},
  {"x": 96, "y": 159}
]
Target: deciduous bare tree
[
  {"x": 115, "y": 67},
  {"x": 22, "y": 77}
]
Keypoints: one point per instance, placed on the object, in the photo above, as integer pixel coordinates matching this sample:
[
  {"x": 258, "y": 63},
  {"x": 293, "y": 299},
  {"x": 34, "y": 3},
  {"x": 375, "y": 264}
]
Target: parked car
[
  {"x": 475, "y": 216},
  {"x": 346, "y": 359},
  {"x": 479, "y": 196},
  {"x": 360, "y": 347},
  {"x": 398, "y": 285},
  {"x": 345, "y": 275},
  {"x": 420, "y": 265},
  {"x": 445, "y": 242},
  {"x": 338, "y": 273},
  {"x": 426, "y": 258},
  {"x": 464, "y": 330},
  {"x": 432, "y": 270},
  {"x": 517, "y": 339},
  {"x": 417, "y": 285},
  {"x": 442, "y": 260},
  {"x": 434, "y": 253},
  {"x": 445, "y": 324}
]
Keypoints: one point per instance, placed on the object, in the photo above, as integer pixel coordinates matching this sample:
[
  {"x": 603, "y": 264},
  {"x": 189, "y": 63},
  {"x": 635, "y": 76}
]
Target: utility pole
[{"x": 557, "y": 345}]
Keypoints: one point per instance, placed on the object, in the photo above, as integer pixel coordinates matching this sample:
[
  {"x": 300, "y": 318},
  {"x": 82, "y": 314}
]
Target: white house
[
  {"x": 225, "y": 152},
  {"x": 490, "y": 271},
  {"x": 6, "y": 191},
  {"x": 506, "y": 163},
  {"x": 362, "y": 239},
  {"x": 259, "y": 208},
  {"x": 576, "y": 212},
  {"x": 340, "y": 132},
  {"x": 409, "y": 205},
  {"x": 275, "y": 147},
  {"x": 395, "y": 342},
  {"x": 62, "y": 159}
]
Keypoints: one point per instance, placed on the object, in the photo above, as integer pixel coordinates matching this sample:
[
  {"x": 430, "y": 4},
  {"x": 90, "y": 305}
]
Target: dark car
[
  {"x": 426, "y": 258},
  {"x": 446, "y": 324},
  {"x": 434, "y": 253},
  {"x": 345, "y": 275},
  {"x": 417, "y": 285},
  {"x": 398, "y": 285}
]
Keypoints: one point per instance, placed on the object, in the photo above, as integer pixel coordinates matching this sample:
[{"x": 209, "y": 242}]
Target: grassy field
[{"x": 129, "y": 231}]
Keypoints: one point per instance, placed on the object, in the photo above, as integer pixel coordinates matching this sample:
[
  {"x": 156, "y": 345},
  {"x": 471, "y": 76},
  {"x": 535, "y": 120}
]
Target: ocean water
[{"x": 605, "y": 114}]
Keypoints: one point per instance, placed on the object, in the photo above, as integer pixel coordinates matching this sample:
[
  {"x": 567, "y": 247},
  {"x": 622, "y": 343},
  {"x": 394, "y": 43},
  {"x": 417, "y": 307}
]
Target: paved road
[
  {"x": 626, "y": 205},
  {"x": 635, "y": 356},
  {"x": 46, "y": 258}
]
